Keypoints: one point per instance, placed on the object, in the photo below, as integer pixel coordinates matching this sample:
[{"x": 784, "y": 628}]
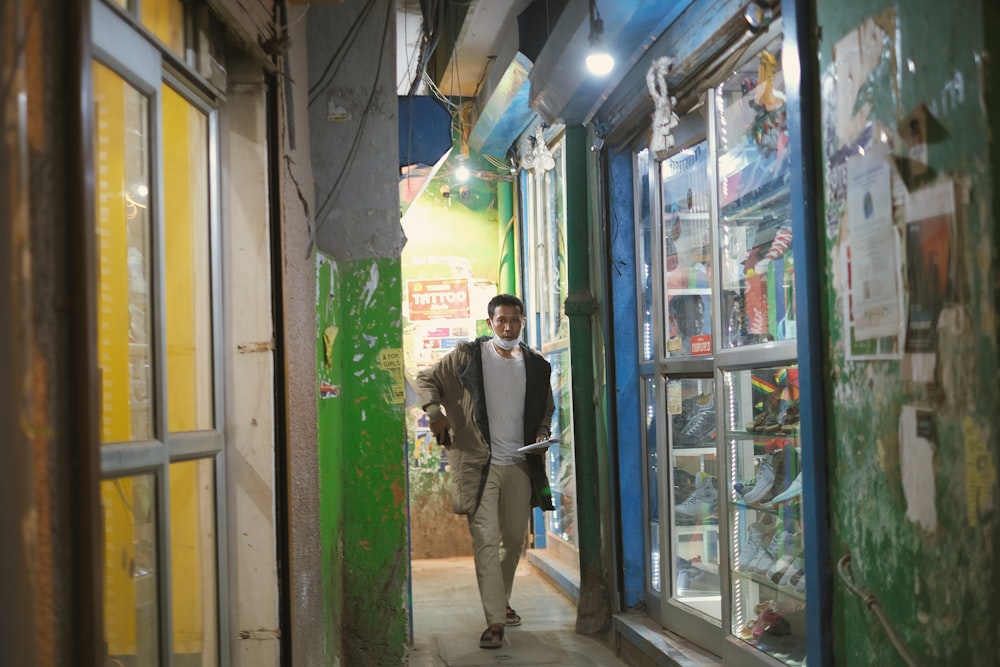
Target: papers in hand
[{"x": 538, "y": 445}]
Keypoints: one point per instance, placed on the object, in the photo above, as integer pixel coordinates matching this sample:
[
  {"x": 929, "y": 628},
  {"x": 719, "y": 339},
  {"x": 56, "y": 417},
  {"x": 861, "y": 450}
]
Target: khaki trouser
[{"x": 498, "y": 529}]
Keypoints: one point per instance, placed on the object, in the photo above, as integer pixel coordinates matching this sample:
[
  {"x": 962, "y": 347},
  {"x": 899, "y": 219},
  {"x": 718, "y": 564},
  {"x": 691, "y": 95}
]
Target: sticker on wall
[
  {"x": 328, "y": 390},
  {"x": 329, "y": 338},
  {"x": 980, "y": 472},
  {"x": 391, "y": 360},
  {"x": 336, "y": 112},
  {"x": 675, "y": 403}
]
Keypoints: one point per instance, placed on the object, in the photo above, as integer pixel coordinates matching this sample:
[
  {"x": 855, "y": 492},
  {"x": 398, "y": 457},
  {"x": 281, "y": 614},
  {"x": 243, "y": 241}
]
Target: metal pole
[{"x": 593, "y": 614}]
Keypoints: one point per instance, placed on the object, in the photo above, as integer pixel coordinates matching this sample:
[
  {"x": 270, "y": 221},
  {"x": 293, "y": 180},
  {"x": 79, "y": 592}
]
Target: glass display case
[
  {"x": 756, "y": 362},
  {"x": 685, "y": 234},
  {"x": 764, "y": 490},
  {"x": 715, "y": 279},
  {"x": 687, "y": 252},
  {"x": 696, "y": 494},
  {"x": 755, "y": 233}
]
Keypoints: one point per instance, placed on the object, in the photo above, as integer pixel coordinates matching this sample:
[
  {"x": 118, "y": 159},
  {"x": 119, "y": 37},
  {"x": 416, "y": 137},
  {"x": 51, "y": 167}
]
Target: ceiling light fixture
[
  {"x": 757, "y": 17},
  {"x": 462, "y": 172},
  {"x": 599, "y": 59}
]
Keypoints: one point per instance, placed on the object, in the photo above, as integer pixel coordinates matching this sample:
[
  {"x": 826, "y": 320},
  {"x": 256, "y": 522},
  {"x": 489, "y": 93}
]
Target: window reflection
[
  {"x": 131, "y": 570},
  {"x": 124, "y": 280}
]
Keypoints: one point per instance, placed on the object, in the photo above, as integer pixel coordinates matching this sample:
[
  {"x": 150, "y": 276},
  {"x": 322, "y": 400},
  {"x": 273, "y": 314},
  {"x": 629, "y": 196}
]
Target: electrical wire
[
  {"x": 349, "y": 160},
  {"x": 844, "y": 569},
  {"x": 333, "y": 65},
  {"x": 432, "y": 35}
]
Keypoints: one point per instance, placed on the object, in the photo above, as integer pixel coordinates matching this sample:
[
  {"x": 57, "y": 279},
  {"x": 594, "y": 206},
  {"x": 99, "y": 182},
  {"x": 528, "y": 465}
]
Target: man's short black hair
[{"x": 504, "y": 300}]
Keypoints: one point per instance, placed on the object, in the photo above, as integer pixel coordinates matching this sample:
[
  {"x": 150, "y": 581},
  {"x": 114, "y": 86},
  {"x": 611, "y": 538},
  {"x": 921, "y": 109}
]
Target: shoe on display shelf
[
  {"x": 763, "y": 561},
  {"x": 775, "y": 445},
  {"x": 781, "y": 567},
  {"x": 692, "y": 579},
  {"x": 700, "y": 505},
  {"x": 759, "y": 420},
  {"x": 698, "y": 426},
  {"x": 793, "y": 574},
  {"x": 788, "y": 418},
  {"x": 760, "y": 532},
  {"x": 772, "y": 622},
  {"x": 765, "y": 605},
  {"x": 779, "y": 546},
  {"x": 780, "y": 466},
  {"x": 684, "y": 483},
  {"x": 743, "y": 487},
  {"x": 763, "y": 481},
  {"x": 793, "y": 491}
]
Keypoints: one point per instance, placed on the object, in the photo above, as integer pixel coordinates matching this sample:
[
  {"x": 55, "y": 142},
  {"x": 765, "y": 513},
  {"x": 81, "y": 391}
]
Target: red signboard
[{"x": 438, "y": 299}]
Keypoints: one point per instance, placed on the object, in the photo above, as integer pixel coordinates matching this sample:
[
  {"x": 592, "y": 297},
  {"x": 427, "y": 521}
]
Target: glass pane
[
  {"x": 652, "y": 481},
  {"x": 755, "y": 210},
  {"x": 188, "y": 288},
  {"x": 644, "y": 255},
  {"x": 123, "y": 229},
  {"x": 562, "y": 477},
  {"x": 130, "y": 570},
  {"x": 165, "y": 19},
  {"x": 193, "y": 559},
  {"x": 695, "y": 535},
  {"x": 687, "y": 252},
  {"x": 554, "y": 278},
  {"x": 765, "y": 492}
]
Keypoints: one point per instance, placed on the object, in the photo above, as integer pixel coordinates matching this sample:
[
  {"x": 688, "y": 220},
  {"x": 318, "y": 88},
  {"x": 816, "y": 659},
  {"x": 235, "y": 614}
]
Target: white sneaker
[
  {"x": 759, "y": 534},
  {"x": 766, "y": 560},
  {"x": 795, "y": 568},
  {"x": 764, "y": 480},
  {"x": 700, "y": 504}
]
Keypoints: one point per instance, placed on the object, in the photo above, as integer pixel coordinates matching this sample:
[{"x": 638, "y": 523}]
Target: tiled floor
[{"x": 448, "y": 619}]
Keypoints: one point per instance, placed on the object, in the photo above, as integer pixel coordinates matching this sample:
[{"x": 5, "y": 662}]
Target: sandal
[
  {"x": 492, "y": 637},
  {"x": 512, "y": 617}
]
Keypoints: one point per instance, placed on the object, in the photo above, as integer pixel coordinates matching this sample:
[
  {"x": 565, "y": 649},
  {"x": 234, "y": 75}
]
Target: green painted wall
[
  {"x": 362, "y": 464},
  {"x": 931, "y": 563},
  {"x": 329, "y": 352}
]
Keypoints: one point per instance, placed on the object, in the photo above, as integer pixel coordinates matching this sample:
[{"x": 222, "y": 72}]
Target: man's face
[{"x": 507, "y": 322}]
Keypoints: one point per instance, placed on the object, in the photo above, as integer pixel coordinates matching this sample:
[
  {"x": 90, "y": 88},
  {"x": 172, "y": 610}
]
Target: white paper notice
[
  {"x": 539, "y": 445},
  {"x": 874, "y": 277},
  {"x": 916, "y": 460}
]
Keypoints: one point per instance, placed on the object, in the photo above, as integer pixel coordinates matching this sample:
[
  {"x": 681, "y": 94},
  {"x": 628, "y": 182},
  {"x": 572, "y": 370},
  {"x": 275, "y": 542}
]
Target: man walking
[{"x": 484, "y": 400}]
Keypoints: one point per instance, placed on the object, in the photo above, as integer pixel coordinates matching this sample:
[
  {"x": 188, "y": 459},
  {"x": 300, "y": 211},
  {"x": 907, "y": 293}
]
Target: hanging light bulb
[
  {"x": 599, "y": 60},
  {"x": 462, "y": 171}
]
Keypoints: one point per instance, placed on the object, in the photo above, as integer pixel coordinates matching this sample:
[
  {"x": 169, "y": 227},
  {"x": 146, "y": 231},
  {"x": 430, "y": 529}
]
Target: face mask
[{"x": 504, "y": 344}]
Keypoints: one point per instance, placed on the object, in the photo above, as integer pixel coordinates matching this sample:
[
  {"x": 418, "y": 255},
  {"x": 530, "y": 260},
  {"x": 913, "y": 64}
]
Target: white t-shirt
[{"x": 504, "y": 384}]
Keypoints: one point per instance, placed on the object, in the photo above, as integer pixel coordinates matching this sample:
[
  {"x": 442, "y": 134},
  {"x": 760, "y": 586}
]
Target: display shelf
[
  {"x": 760, "y": 435},
  {"x": 680, "y": 450},
  {"x": 785, "y": 509},
  {"x": 780, "y": 593},
  {"x": 690, "y": 291},
  {"x": 741, "y": 211}
]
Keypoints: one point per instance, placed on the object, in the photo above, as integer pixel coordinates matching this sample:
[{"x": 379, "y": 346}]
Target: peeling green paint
[
  {"x": 937, "y": 586},
  {"x": 362, "y": 462}
]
